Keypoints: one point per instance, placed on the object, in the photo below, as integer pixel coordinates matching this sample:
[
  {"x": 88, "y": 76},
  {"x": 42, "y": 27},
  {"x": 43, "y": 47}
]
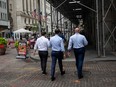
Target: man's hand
[
  {"x": 34, "y": 52},
  {"x": 64, "y": 55},
  {"x": 68, "y": 53}
]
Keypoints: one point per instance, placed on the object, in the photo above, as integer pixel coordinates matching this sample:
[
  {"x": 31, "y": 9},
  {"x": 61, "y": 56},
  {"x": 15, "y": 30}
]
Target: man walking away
[
  {"x": 42, "y": 44},
  {"x": 78, "y": 42},
  {"x": 65, "y": 42},
  {"x": 57, "y": 45}
]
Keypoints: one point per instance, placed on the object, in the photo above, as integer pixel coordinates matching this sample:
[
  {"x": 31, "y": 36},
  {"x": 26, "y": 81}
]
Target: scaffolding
[
  {"x": 105, "y": 11},
  {"x": 109, "y": 27}
]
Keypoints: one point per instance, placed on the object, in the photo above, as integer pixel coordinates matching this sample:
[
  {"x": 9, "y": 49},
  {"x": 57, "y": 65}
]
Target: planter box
[
  {"x": 2, "y": 49},
  {"x": 2, "y": 46}
]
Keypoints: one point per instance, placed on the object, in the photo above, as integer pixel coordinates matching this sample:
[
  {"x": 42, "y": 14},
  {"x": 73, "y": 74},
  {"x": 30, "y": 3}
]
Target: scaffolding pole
[
  {"x": 97, "y": 27},
  {"x": 51, "y": 19},
  {"x": 39, "y": 21},
  {"x": 45, "y": 15},
  {"x": 104, "y": 54}
]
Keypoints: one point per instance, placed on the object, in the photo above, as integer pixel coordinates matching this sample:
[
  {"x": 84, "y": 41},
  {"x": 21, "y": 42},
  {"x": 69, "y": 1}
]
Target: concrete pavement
[{"x": 27, "y": 73}]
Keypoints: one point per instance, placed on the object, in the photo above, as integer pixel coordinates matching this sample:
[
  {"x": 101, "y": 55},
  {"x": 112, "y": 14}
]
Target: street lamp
[
  {"x": 77, "y": 9},
  {"x": 74, "y": 2}
]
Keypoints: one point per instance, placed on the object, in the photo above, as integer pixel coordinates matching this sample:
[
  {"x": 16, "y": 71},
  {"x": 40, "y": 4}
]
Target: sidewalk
[
  {"x": 90, "y": 55},
  {"x": 27, "y": 73}
]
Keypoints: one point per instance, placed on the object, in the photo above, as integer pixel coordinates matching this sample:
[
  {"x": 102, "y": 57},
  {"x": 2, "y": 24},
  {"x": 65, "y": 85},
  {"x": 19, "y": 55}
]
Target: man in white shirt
[
  {"x": 78, "y": 42},
  {"x": 42, "y": 44}
]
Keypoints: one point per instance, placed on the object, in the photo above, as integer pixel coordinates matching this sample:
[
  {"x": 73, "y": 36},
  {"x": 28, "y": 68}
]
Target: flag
[
  {"x": 34, "y": 13},
  {"x": 40, "y": 16},
  {"x": 43, "y": 17}
]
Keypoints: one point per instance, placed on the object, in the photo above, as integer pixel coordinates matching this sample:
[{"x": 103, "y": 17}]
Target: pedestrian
[
  {"x": 42, "y": 44},
  {"x": 64, "y": 40},
  {"x": 57, "y": 45},
  {"x": 78, "y": 42},
  {"x": 62, "y": 36}
]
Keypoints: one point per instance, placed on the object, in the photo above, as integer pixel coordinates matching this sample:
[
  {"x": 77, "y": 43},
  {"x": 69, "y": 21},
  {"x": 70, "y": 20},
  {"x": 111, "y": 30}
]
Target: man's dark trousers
[
  {"x": 43, "y": 57},
  {"x": 79, "y": 56},
  {"x": 56, "y": 55}
]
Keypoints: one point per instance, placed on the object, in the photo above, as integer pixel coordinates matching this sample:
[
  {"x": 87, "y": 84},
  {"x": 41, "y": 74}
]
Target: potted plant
[
  {"x": 16, "y": 45},
  {"x": 3, "y": 45}
]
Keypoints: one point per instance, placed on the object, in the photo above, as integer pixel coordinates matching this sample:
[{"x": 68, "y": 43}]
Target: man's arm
[
  {"x": 35, "y": 48},
  {"x": 62, "y": 45},
  {"x": 70, "y": 44},
  {"x": 85, "y": 41}
]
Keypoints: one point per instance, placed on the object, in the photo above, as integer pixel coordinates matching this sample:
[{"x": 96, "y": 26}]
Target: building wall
[
  {"x": 12, "y": 5},
  {"x": 3, "y": 14},
  {"x": 48, "y": 17},
  {"x": 22, "y": 13},
  {"x": 4, "y": 23}
]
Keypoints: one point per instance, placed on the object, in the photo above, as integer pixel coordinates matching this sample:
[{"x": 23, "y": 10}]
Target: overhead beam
[{"x": 78, "y": 2}]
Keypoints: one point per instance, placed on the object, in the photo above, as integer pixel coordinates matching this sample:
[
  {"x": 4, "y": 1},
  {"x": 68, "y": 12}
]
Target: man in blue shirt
[
  {"x": 57, "y": 45},
  {"x": 64, "y": 40},
  {"x": 78, "y": 42},
  {"x": 62, "y": 36}
]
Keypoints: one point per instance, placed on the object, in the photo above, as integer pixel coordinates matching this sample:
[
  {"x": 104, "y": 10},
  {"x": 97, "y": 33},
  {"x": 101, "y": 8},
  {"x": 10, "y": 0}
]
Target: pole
[
  {"x": 103, "y": 28},
  {"x": 45, "y": 15},
  {"x": 57, "y": 19},
  {"x": 97, "y": 27},
  {"x": 51, "y": 19},
  {"x": 39, "y": 21}
]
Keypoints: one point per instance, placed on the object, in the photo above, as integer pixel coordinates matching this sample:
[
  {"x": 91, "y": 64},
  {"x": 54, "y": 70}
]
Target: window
[
  {"x": 0, "y": 4},
  {"x": 0, "y": 15},
  {"x": 5, "y": 5},
  {"x": 5, "y": 16},
  {"x": 10, "y": 7}
]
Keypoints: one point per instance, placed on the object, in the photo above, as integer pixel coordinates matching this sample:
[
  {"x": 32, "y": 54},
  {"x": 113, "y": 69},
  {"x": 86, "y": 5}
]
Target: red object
[
  {"x": 1, "y": 45},
  {"x": 22, "y": 48},
  {"x": 34, "y": 13}
]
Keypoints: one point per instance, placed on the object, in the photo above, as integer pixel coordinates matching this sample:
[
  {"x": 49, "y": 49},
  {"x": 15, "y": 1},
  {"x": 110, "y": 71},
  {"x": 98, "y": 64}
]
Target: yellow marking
[{"x": 77, "y": 81}]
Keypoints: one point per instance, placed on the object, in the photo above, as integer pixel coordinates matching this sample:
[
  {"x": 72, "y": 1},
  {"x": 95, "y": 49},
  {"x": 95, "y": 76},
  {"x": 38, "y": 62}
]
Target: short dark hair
[
  {"x": 57, "y": 31},
  {"x": 43, "y": 33}
]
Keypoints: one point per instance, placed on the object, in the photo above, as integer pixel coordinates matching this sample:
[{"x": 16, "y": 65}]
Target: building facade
[
  {"x": 4, "y": 23},
  {"x": 23, "y": 14},
  {"x": 48, "y": 19}
]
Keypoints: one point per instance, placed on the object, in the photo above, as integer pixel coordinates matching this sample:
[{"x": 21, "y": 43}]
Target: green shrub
[
  {"x": 16, "y": 44},
  {"x": 3, "y": 41}
]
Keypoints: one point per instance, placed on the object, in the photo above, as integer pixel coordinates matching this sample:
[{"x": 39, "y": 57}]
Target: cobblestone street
[{"x": 26, "y": 73}]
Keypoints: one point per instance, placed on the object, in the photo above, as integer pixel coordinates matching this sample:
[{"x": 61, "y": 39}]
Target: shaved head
[{"x": 77, "y": 30}]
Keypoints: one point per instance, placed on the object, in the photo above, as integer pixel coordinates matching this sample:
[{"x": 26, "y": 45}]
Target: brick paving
[{"x": 27, "y": 73}]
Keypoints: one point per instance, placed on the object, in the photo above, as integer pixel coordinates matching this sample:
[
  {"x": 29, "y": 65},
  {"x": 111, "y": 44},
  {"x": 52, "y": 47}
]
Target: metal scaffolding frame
[
  {"x": 54, "y": 17},
  {"x": 97, "y": 22},
  {"x": 102, "y": 41},
  {"x": 104, "y": 14}
]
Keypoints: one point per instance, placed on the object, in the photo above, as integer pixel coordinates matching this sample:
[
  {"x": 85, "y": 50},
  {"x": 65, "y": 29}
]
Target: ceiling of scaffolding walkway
[{"x": 72, "y": 9}]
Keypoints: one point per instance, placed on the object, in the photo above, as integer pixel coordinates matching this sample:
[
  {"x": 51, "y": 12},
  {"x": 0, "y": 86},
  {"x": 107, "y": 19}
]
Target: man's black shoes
[
  {"x": 63, "y": 72},
  {"x": 44, "y": 73},
  {"x": 53, "y": 78},
  {"x": 80, "y": 77}
]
